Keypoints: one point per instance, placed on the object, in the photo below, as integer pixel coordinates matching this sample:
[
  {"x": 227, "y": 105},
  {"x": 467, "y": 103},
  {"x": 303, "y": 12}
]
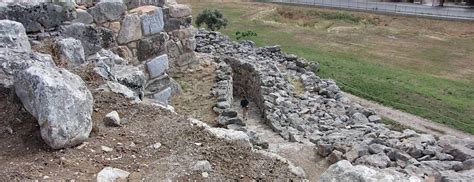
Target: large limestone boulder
[
  {"x": 70, "y": 52},
  {"x": 13, "y": 62},
  {"x": 59, "y": 100},
  {"x": 13, "y": 36},
  {"x": 107, "y": 11}
]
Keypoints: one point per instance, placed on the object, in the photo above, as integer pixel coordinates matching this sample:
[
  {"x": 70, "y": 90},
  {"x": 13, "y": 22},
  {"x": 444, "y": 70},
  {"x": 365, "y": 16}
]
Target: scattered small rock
[
  {"x": 156, "y": 146},
  {"x": 106, "y": 149},
  {"x": 109, "y": 174},
  {"x": 202, "y": 165},
  {"x": 112, "y": 119}
]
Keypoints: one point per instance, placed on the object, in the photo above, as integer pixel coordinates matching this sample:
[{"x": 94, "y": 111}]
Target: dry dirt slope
[{"x": 23, "y": 154}]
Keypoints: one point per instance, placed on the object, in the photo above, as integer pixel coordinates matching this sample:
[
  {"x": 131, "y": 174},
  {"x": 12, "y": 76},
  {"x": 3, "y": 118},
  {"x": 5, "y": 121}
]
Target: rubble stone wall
[
  {"x": 246, "y": 81},
  {"x": 340, "y": 129}
]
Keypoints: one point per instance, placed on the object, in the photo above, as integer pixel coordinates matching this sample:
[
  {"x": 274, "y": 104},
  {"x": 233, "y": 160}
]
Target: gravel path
[
  {"x": 410, "y": 120},
  {"x": 300, "y": 154}
]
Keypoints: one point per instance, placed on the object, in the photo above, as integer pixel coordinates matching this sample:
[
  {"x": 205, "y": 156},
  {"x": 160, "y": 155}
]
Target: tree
[{"x": 213, "y": 19}]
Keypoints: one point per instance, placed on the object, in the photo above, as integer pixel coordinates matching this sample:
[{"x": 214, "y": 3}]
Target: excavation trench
[{"x": 247, "y": 82}]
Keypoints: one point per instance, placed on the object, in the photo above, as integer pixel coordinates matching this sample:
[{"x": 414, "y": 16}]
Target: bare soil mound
[{"x": 25, "y": 156}]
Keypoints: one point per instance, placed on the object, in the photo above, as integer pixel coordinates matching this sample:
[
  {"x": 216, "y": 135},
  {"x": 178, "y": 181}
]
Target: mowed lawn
[{"x": 421, "y": 66}]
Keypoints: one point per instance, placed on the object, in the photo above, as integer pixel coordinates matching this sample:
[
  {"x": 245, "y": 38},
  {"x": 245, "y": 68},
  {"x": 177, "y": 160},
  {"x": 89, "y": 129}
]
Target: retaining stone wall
[{"x": 154, "y": 39}]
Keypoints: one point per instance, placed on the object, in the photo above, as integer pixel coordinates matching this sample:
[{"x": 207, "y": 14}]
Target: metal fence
[{"x": 397, "y": 8}]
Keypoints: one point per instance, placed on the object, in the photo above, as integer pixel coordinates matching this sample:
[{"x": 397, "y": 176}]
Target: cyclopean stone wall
[
  {"x": 134, "y": 43},
  {"x": 340, "y": 129}
]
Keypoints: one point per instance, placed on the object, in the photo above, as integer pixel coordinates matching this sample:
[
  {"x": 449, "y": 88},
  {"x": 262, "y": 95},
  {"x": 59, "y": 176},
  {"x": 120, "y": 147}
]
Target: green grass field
[{"x": 416, "y": 66}]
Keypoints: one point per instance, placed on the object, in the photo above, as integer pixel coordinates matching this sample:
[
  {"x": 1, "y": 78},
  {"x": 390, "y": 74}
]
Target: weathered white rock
[
  {"x": 377, "y": 160},
  {"x": 112, "y": 119},
  {"x": 179, "y": 10},
  {"x": 163, "y": 96},
  {"x": 130, "y": 30},
  {"x": 59, "y": 100},
  {"x": 460, "y": 149},
  {"x": 156, "y": 145},
  {"x": 359, "y": 118},
  {"x": 106, "y": 149},
  {"x": 153, "y": 22},
  {"x": 107, "y": 11},
  {"x": 296, "y": 170},
  {"x": 122, "y": 90},
  {"x": 109, "y": 174},
  {"x": 374, "y": 118},
  {"x": 335, "y": 156},
  {"x": 158, "y": 66},
  {"x": 82, "y": 16},
  {"x": 203, "y": 166},
  {"x": 13, "y": 62},
  {"x": 344, "y": 171},
  {"x": 13, "y": 36},
  {"x": 70, "y": 51},
  {"x": 226, "y": 134},
  {"x": 451, "y": 176}
]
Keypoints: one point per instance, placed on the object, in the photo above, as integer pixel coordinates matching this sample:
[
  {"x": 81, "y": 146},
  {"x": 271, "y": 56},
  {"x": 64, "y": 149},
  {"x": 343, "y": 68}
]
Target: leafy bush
[
  {"x": 241, "y": 35},
  {"x": 213, "y": 19}
]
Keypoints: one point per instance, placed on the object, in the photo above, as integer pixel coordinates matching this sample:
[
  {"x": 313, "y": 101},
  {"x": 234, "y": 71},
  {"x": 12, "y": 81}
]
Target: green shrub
[
  {"x": 240, "y": 35},
  {"x": 213, "y": 19}
]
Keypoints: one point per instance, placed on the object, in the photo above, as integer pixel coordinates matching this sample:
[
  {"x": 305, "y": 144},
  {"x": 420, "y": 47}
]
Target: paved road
[{"x": 397, "y": 8}]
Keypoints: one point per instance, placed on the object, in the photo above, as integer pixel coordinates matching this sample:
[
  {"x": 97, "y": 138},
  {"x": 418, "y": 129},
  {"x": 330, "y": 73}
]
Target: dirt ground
[
  {"x": 24, "y": 155},
  {"x": 196, "y": 83}
]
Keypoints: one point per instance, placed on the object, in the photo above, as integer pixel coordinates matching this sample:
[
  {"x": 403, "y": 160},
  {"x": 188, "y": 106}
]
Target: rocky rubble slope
[{"x": 341, "y": 130}]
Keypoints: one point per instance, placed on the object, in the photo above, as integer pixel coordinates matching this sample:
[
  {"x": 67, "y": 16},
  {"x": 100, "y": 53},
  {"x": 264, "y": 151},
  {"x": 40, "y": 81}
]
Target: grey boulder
[
  {"x": 70, "y": 52},
  {"x": 13, "y": 36},
  {"x": 82, "y": 16},
  {"x": 59, "y": 100},
  {"x": 12, "y": 62},
  {"x": 344, "y": 171},
  {"x": 109, "y": 174},
  {"x": 107, "y": 11}
]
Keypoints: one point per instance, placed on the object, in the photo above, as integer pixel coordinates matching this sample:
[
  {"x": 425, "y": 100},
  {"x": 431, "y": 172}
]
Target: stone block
[
  {"x": 163, "y": 96},
  {"x": 153, "y": 22},
  {"x": 130, "y": 30},
  {"x": 107, "y": 11},
  {"x": 158, "y": 66},
  {"x": 151, "y": 47}
]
